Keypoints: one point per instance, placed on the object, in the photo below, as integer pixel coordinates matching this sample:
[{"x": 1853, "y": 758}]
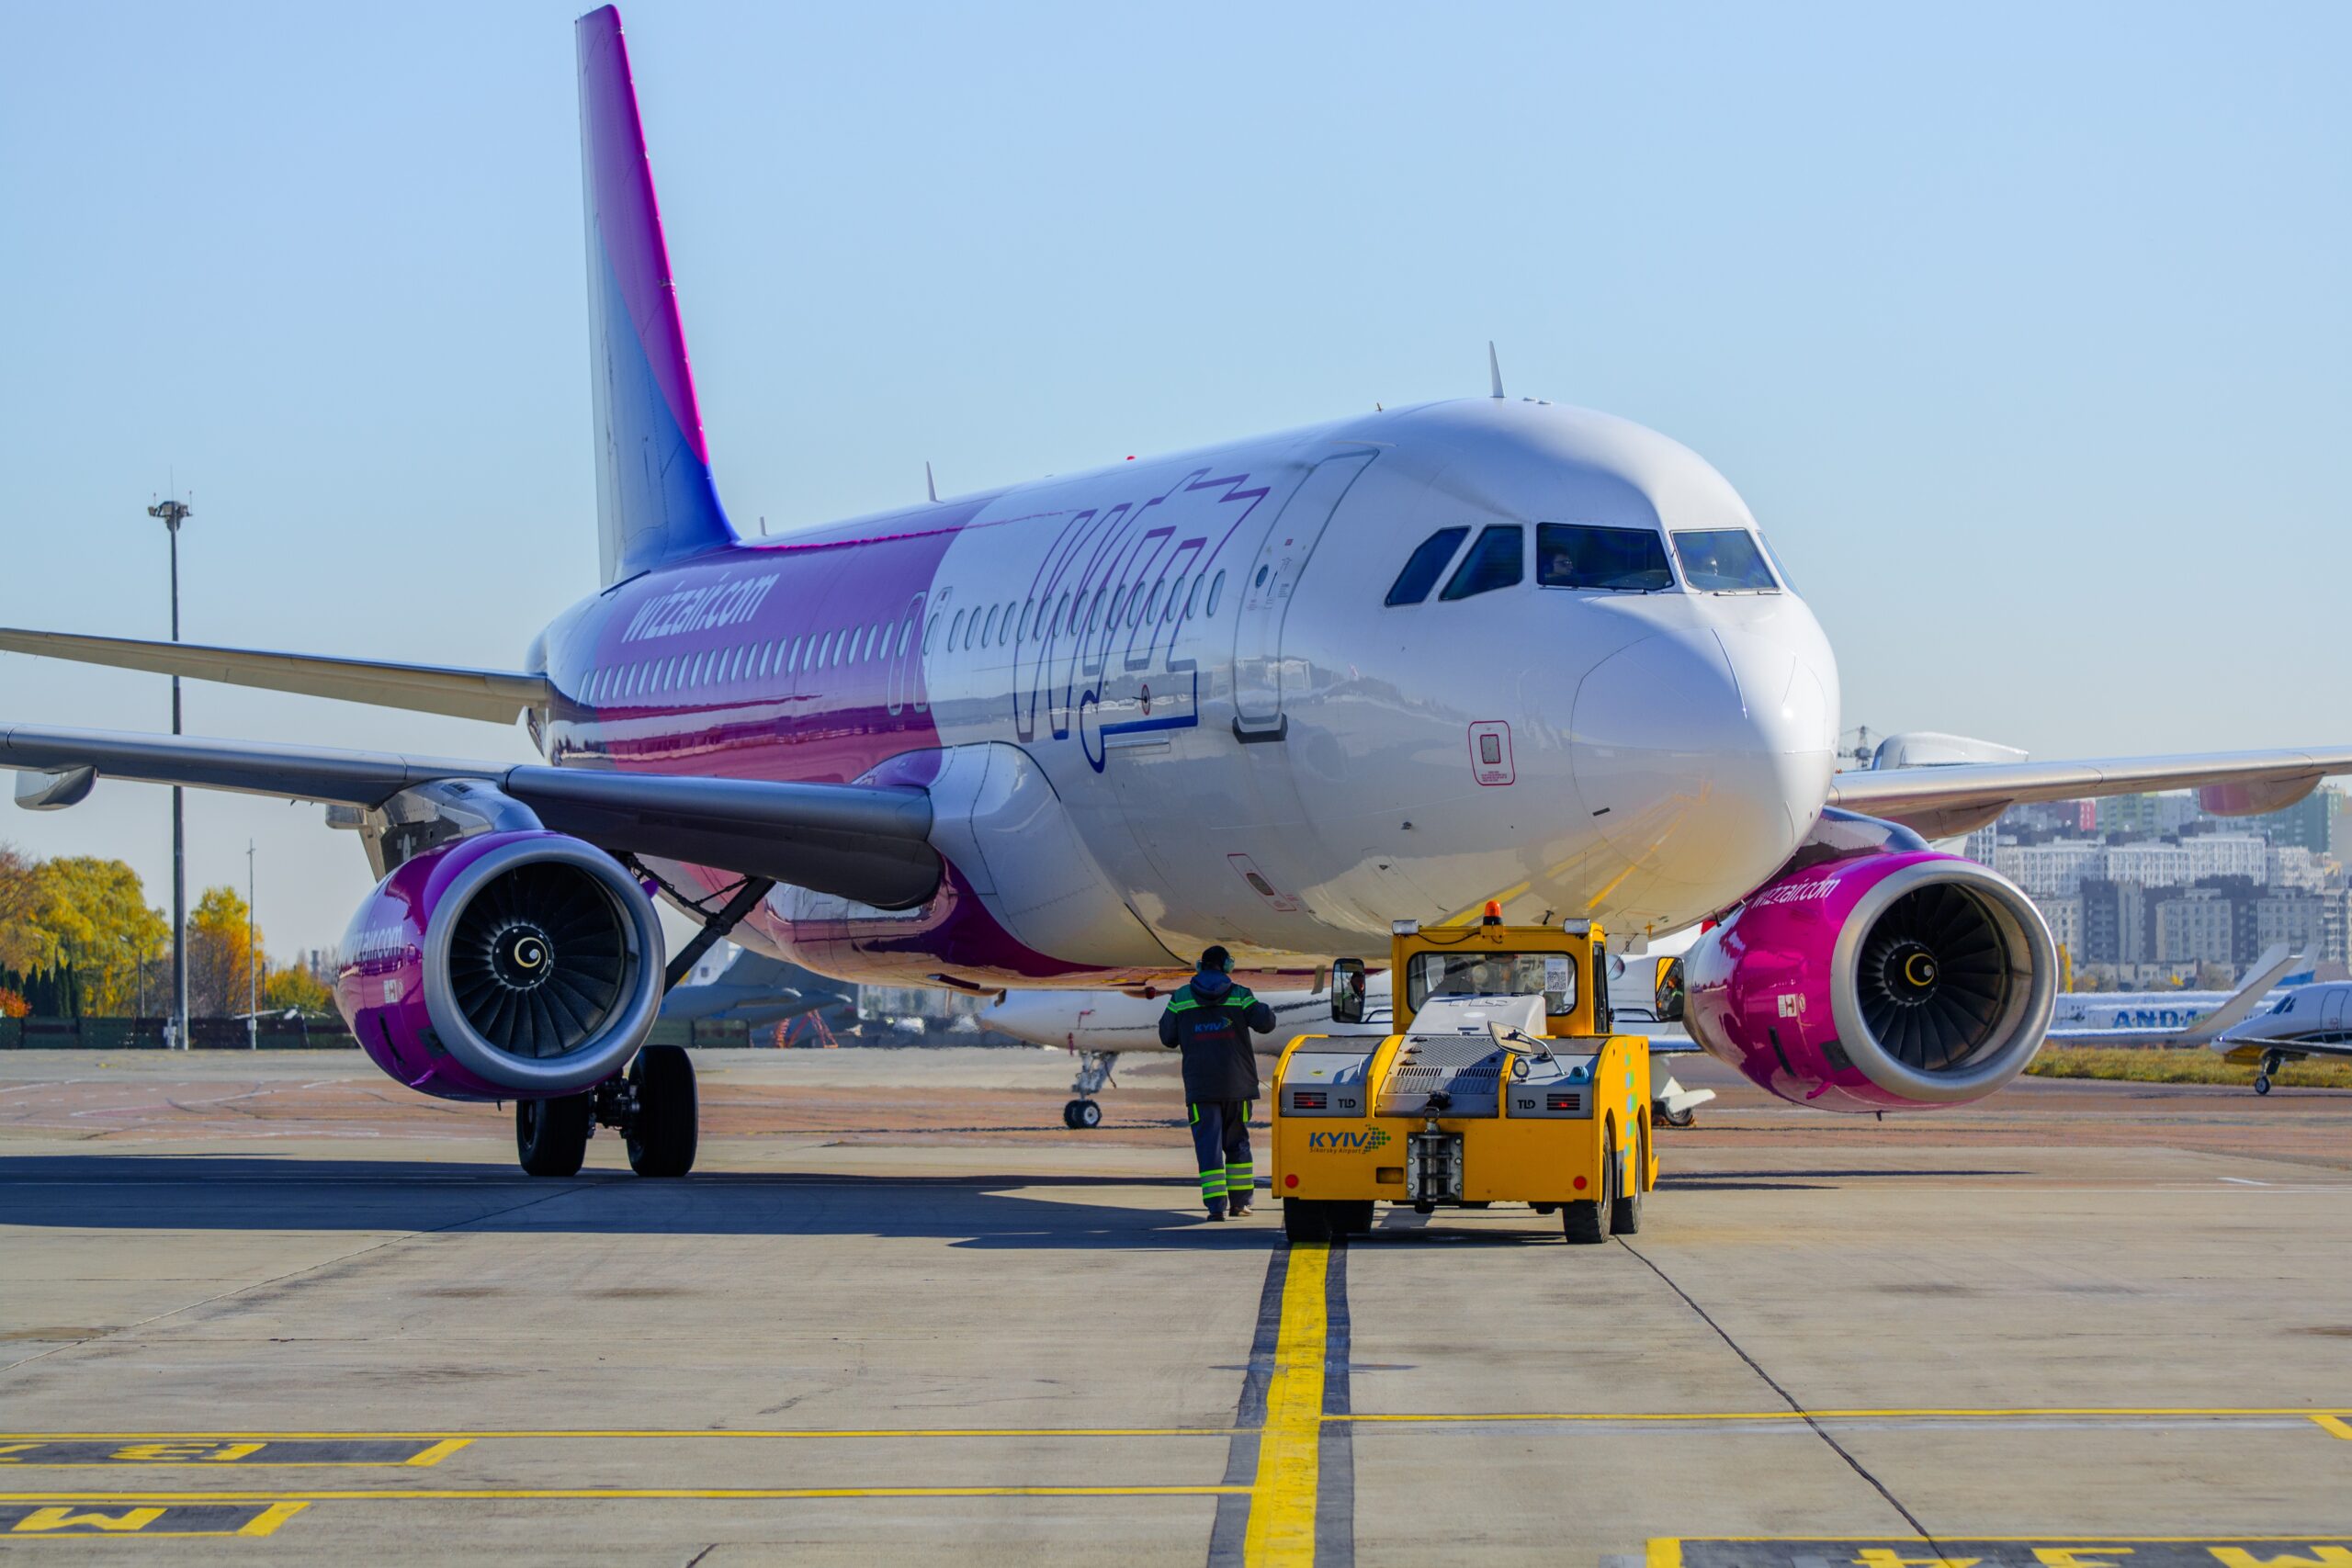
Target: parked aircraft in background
[
  {"x": 752, "y": 988},
  {"x": 2129, "y": 1011},
  {"x": 1274, "y": 694},
  {"x": 2309, "y": 1020}
]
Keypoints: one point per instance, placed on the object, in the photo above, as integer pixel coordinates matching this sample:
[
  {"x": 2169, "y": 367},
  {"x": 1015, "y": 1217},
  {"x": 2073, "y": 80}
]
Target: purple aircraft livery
[{"x": 1274, "y": 694}]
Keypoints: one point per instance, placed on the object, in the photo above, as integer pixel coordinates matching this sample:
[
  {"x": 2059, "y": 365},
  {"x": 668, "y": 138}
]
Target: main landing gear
[
  {"x": 653, "y": 1106},
  {"x": 1093, "y": 1076},
  {"x": 653, "y": 1109}
]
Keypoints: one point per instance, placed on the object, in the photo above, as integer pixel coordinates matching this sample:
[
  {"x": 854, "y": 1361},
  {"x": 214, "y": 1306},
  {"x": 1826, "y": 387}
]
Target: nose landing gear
[
  {"x": 1093, "y": 1076},
  {"x": 2270, "y": 1064}
]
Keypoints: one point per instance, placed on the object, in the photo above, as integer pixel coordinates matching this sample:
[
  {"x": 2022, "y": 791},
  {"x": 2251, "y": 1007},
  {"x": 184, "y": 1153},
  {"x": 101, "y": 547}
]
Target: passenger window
[
  {"x": 956, "y": 627},
  {"x": 1061, "y": 614},
  {"x": 1422, "y": 571},
  {"x": 1095, "y": 610},
  {"x": 1151, "y": 610},
  {"x": 1494, "y": 561},
  {"x": 1004, "y": 631},
  {"x": 1216, "y": 589},
  {"x": 1192, "y": 597},
  {"x": 930, "y": 631},
  {"x": 988, "y": 630},
  {"x": 1723, "y": 561},
  {"x": 906, "y": 636}
]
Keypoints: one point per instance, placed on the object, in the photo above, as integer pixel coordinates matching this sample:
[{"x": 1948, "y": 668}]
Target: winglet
[
  {"x": 654, "y": 497},
  {"x": 1493, "y": 369}
]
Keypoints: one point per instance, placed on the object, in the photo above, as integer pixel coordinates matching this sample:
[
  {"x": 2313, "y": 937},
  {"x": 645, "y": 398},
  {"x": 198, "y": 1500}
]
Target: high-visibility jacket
[{"x": 1210, "y": 1021}]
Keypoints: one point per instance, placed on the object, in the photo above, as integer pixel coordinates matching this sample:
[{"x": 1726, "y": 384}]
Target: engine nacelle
[
  {"x": 507, "y": 965},
  {"x": 1873, "y": 974}
]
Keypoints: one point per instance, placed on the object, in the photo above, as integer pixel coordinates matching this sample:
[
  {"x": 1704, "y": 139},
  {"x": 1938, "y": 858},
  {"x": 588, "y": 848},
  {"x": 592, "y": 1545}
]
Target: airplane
[
  {"x": 2127, "y": 1011},
  {"x": 1272, "y": 694},
  {"x": 752, "y": 988},
  {"x": 2309, "y": 1020}
]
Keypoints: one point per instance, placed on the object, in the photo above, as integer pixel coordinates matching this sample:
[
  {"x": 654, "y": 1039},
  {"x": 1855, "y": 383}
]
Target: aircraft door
[
  {"x": 2336, "y": 999},
  {"x": 1258, "y": 681}
]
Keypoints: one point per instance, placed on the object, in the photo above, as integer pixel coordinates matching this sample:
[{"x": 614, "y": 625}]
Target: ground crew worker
[{"x": 1211, "y": 1019}]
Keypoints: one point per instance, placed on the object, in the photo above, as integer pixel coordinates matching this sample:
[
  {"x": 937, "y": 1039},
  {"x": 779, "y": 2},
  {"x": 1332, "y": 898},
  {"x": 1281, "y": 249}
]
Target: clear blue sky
[{"x": 2023, "y": 330}]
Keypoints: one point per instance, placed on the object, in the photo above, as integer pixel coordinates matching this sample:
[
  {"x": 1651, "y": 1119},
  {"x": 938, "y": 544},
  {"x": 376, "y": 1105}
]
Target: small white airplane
[
  {"x": 2123, "y": 1012},
  {"x": 2309, "y": 1020}
]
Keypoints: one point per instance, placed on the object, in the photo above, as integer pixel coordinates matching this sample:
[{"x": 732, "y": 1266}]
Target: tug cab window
[
  {"x": 1420, "y": 573},
  {"x": 1551, "y": 975},
  {"x": 1577, "y": 555},
  {"x": 1497, "y": 561},
  {"x": 1723, "y": 561}
]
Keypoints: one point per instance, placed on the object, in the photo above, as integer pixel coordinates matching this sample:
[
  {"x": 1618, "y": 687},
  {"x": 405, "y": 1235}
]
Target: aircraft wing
[
  {"x": 1945, "y": 800},
  {"x": 499, "y": 696},
  {"x": 2266, "y": 971},
  {"x": 861, "y": 841}
]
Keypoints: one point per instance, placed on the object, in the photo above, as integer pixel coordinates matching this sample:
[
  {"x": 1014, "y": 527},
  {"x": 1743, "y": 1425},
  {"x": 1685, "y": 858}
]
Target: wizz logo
[{"x": 1119, "y": 585}]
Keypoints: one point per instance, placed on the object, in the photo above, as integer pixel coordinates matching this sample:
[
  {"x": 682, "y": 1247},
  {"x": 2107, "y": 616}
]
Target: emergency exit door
[{"x": 1260, "y": 674}]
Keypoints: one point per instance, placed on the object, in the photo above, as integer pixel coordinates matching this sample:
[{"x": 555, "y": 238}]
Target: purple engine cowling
[
  {"x": 1873, "y": 974},
  {"x": 507, "y": 965}
]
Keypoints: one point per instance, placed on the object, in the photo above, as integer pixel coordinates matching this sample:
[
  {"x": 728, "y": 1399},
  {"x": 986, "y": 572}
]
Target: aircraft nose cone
[{"x": 1703, "y": 753}]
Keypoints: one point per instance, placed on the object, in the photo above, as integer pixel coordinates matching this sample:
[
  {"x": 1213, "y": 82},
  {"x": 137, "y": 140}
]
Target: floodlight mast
[{"x": 172, "y": 514}]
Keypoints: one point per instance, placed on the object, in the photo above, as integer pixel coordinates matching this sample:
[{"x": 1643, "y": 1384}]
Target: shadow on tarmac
[{"x": 240, "y": 1192}]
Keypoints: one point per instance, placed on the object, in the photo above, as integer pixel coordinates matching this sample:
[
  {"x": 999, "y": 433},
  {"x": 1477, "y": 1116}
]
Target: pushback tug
[{"x": 1503, "y": 1083}]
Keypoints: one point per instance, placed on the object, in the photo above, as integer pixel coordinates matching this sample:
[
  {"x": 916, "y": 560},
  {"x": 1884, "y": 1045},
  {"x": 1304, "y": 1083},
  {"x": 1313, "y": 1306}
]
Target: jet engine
[
  {"x": 1873, "y": 974},
  {"x": 505, "y": 966}
]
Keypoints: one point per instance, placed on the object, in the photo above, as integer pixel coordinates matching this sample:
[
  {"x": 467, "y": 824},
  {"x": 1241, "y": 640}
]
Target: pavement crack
[{"x": 1787, "y": 1398}]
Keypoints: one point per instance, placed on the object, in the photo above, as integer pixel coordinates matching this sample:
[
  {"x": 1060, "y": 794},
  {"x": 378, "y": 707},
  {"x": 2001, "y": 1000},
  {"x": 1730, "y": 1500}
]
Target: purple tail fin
[{"x": 654, "y": 499}]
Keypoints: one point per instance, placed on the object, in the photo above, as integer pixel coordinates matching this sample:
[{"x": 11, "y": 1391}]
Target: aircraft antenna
[
  {"x": 1493, "y": 369},
  {"x": 929, "y": 484}
]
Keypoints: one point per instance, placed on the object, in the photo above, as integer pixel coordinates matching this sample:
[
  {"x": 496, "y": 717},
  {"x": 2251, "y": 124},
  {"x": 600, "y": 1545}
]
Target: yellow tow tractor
[{"x": 1503, "y": 1083}]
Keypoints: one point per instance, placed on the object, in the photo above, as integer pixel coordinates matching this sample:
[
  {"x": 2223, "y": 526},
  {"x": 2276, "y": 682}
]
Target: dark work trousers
[{"x": 1221, "y": 1144}]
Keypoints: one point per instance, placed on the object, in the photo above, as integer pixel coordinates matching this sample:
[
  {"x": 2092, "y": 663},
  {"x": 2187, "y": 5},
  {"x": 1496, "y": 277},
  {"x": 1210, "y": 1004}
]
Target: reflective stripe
[{"x": 1196, "y": 1115}]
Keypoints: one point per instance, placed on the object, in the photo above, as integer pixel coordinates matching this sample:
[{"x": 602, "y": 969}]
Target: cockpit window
[
  {"x": 2287, "y": 1005},
  {"x": 1723, "y": 561},
  {"x": 1420, "y": 573},
  {"x": 1578, "y": 555},
  {"x": 1494, "y": 561}
]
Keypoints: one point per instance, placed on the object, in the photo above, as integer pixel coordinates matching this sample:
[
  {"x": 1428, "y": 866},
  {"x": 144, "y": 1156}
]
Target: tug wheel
[
  {"x": 1306, "y": 1219},
  {"x": 1585, "y": 1221},
  {"x": 1625, "y": 1213}
]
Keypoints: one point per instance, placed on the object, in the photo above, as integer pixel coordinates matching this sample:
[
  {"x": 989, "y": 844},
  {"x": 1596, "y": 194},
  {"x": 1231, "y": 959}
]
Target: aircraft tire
[
  {"x": 2262, "y": 1083},
  {"x": 551, "y": 1136},
  {"x": 1662, "y": 1117},
  {"x": 1080, "y": 1114},
  {"x": 663, "y": 1134}
]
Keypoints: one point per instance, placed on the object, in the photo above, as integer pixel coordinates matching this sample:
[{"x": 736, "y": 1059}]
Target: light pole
[
  {"x": 174, "y": 513},
  {"x": 252, "y": 958}
]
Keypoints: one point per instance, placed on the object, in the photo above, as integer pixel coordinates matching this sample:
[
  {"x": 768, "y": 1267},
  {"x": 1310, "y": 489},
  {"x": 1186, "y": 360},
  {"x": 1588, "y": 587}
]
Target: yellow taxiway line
[{"x": 1282, "y": 1500}]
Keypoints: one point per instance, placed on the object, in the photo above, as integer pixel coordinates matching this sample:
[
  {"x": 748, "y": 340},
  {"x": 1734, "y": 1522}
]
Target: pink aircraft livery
[{"x": 1275, "y": 695}]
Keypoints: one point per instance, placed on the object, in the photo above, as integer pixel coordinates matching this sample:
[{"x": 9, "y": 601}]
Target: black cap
[{"x": 1217, "y": 959}]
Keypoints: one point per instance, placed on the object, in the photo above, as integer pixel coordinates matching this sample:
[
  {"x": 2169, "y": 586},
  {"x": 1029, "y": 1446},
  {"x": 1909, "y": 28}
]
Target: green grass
[{"x": 2194, "y": 1066}]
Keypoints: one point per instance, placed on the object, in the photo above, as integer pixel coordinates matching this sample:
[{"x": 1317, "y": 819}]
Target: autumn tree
[
  {"x": 92, "y": 916},
  {"x": 295, "y": 986},
  {"x": 19, "y": 944},
  {"x": 221, "y": 946}
]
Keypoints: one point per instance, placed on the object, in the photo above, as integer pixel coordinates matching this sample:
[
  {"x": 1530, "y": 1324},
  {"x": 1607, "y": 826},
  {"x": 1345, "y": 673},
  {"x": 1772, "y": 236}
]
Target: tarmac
[{"x": 272, "y": 1307}]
